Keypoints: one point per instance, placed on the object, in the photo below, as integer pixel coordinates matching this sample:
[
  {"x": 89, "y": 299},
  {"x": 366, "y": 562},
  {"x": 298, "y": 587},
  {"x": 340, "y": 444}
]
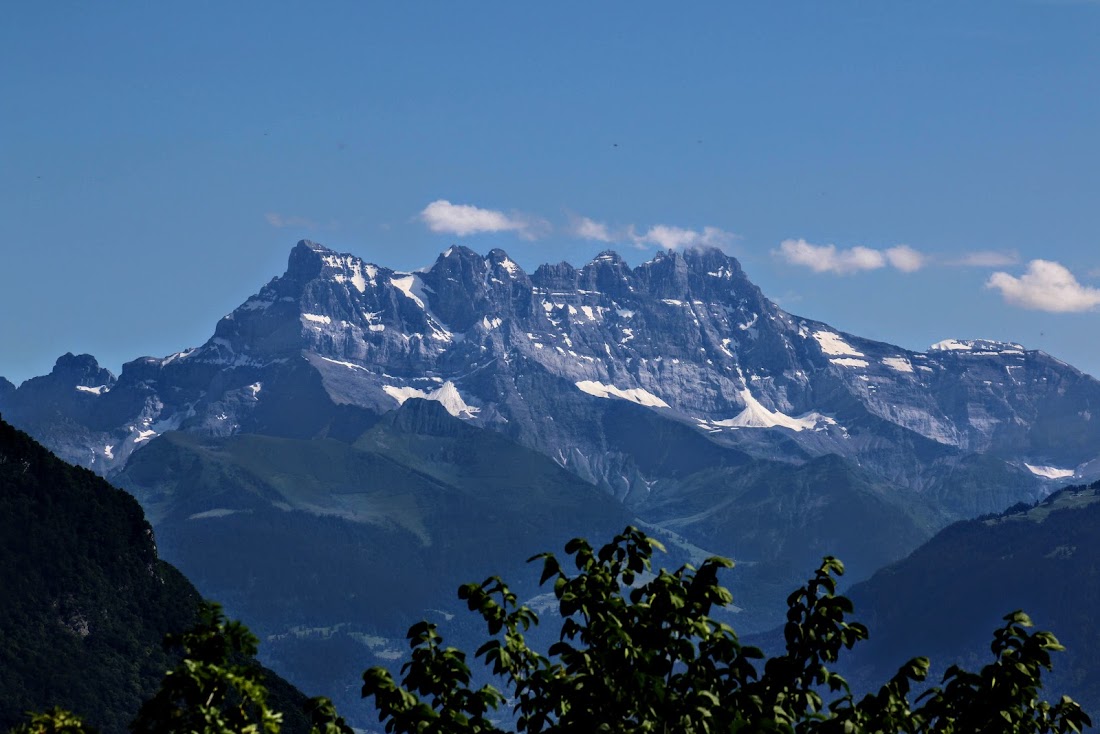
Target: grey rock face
[{"x": 541, "y": 357}]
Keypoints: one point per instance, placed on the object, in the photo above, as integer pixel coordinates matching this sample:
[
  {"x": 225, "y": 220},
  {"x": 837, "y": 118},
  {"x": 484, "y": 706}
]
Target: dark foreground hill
[
  {"x": 942, "y": 600},
  {"x": 330, "y": 549},
  {"x": 84, "y": 600}
]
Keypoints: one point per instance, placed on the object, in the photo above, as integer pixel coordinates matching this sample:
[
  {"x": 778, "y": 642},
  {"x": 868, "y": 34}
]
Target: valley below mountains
[{"x": 353, "y": 442}]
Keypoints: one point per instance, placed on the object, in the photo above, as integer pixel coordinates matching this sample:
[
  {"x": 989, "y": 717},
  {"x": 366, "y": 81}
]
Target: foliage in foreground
[
  {"x": 641, "y": 653},
  {"x": 215, "y": 689},
  {"x": 637, "y": 652}
]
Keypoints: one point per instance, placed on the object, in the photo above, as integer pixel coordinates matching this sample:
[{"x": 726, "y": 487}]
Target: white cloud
[
  {"x": 464, "y": 219},
  {"x": 715, "y": 237},
  {"x": 986, "y": 259},
  {"x": 905, "y": 258},
  {"x": 590, "y": 229},
  {"x": 278, "y": 220},
  {"x": 830, "y": 259},
  {"x": 659, "y": 235},
  {"x": 1046, "y": 286},
  {"x": 676, "y": 238},
  {"x": 670, "y": 238}
]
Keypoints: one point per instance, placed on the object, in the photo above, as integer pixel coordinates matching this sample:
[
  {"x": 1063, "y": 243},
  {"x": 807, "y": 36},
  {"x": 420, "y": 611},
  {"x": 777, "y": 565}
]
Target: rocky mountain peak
[
  {"x": 696, "y": 274},
  {"x": 81, "y": 369},
  {"x": 707, "y": 259},
  {"x": 310, "y": 261},
  {"x": 558, "y": 276},
  {"x": 459, "y": 262},
  {"x": 607, "y": 258},
  {"x": 502, "y": 264},
  {"x": 424, "y": 417},
  {"x": 607, "y": 273},
  {"x": 665, "y": 276},
  {"x": 306, "y": 260},
  {"x": 457, "y": 287}
]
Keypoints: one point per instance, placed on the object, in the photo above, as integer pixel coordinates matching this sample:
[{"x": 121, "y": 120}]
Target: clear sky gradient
[{"x": 159, "y": 160}]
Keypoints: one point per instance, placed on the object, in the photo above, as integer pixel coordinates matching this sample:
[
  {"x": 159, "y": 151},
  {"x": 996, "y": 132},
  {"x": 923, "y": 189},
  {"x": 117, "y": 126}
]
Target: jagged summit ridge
[
  {"x": 687, "y": 329},
  {"x": 977, "y": 346},
  {"x": 686, "y": 334}
]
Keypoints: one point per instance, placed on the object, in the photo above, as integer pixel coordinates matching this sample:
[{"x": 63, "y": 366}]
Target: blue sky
[{"x": 158, "y": 161}]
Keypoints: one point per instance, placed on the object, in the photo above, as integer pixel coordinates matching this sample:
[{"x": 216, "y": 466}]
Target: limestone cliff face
[{"x": 539, "y": 357}]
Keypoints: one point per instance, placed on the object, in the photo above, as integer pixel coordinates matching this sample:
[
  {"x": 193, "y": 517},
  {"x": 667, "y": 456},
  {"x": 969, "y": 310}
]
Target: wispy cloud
[
  {"x": 845, "y": 261},
  {"x": 665, "y": 236},
  {"x": 590, "y": 229},
  {"x": 464, "y": 219},
  {"x": 679, "y": 238},
  {"x": 985, "y": 259},
  {"x": 283, "y": 221},
  {"x": 831, "y": 259},
  {"x": 1046, "y": 286},
  {"x": 906, "y": 259}
]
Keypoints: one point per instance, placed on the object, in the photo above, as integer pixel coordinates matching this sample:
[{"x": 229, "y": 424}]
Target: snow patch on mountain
[
  {"x": 415, "y": 289},
  {"x": 179, "y": 355},
  {"x": 349, "y": 365},
  {"x": 949, "y": 345},
  {"x": 412, "y": 287},
  {"x": 350, "y": 269},
  {"x": 255, "y": 303},
  {"x": 755, "y": 415},
  {"x": 900, "y": 364},
  {"x": 97, "y": 390},
  {"x": 446, "y": 395},
  {"x": 977, "y": 346},
  {"x": 832, "y": 343},
  {"x": 850, "y": 362},
  {"x": 634, "y": 394},
  {"x": 1050, "y": 472}
]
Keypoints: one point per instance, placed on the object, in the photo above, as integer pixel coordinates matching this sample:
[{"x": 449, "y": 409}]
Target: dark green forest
[
  {"x": 86, "y": 603},
  {"x": 638, "y": 651},
  {"x": 94, "y": 623}
]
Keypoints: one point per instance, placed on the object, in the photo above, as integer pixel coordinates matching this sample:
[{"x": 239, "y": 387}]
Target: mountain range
[
  {"x": 686, "y": 334},
  {"x": 352, "y": 441}
]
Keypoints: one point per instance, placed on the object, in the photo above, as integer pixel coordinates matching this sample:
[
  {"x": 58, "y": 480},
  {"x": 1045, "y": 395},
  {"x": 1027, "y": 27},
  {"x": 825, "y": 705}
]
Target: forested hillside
[
  {"x": 86, "y": 602},
  {"x": 1042, "y": 558}
]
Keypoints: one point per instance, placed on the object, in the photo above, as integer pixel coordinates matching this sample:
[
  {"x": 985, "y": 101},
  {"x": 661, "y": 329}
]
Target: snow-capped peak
[{"x": 975, "y": 345}]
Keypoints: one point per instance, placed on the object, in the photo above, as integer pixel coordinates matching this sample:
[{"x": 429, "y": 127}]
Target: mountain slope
[
  {"x": 331, "y": 549},
  {"x": 357, "y": 412},
  {"x": 87, "y": 602},
  {"x": 686, "y": 335},
  {"x": 1040, "y": 558}
]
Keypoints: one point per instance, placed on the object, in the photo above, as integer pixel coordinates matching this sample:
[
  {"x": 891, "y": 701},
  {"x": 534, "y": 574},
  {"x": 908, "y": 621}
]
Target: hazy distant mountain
[
  {"x": 945, "y": 599},
  {"x": 331, "y": 549},
  {"x": 344, "y": 424}
]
